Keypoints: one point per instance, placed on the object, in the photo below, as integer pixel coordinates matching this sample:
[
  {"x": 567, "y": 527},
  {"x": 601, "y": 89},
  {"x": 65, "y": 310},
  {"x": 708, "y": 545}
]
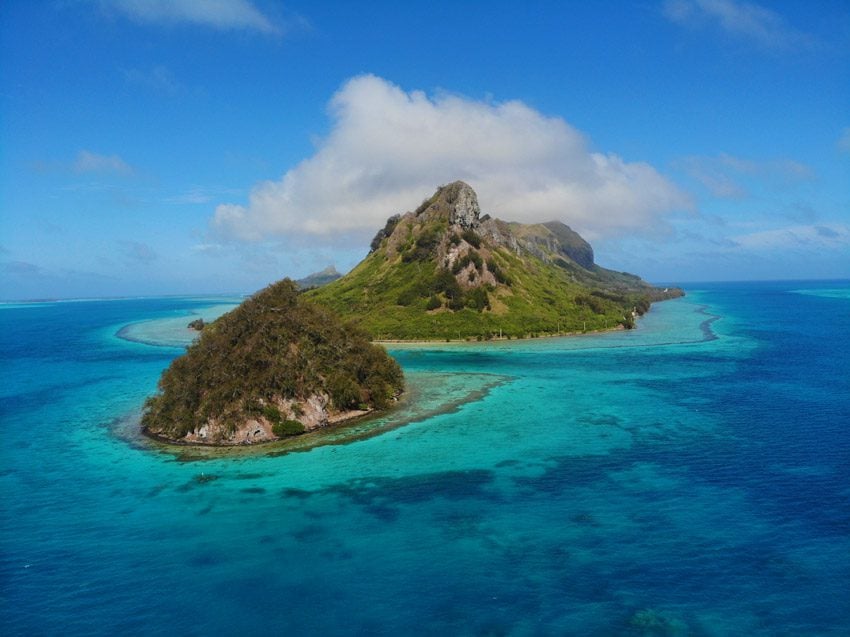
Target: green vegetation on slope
[
  {"x": 398, "y": 300},
  {"x": 262, "y": 360},
  {"x": 439, "y": 274}
]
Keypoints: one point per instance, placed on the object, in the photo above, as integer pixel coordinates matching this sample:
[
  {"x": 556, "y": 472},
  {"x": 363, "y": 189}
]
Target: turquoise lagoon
[{"x": 690, "y": 477}]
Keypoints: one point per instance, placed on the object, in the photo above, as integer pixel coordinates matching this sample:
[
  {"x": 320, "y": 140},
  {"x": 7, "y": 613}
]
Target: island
[
  {"x": 318, "y": 279},
  {"x": 446, "y": 272},
  {"x": 276, "y": 366}
]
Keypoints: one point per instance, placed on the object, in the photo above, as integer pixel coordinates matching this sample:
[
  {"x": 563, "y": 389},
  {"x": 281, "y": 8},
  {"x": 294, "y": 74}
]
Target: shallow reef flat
[
  {"x": 172, "y": 331},
  {"x": 428, "y": 394}
]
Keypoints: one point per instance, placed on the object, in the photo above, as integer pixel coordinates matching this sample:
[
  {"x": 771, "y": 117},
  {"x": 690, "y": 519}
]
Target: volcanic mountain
[{"x": 444, "y": 271}]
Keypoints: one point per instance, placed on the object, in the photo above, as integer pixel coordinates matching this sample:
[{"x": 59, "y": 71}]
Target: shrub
[
  {"x": 497, "y": 272},
  {"x": 446, "y": 283},
  {"x": 423, "y": 206},
  {"x": 288, "y": 428},
  {"x": 602, "y": 294},
  {"x": 642, "y": 305},
  {"x": 595, "y": 304},
  {"x": 477, "y": 299},
  {"x": 406, "y": 297},
  {"x": 470, "y": 257},
  {"x": 471, "y": 238},
  {"x": 424, "y": 245},
  {"x": 386, "y": 231},
  {"x": 253, "y": 407},
  {"x": 433, "y": 303},
  {"x": 344, "y": 391},
  {"x": 456, "y": 303},
  {"x": 418, "y": 290},
  {"x": 460, "y": 264},
  {"x": 272, "y": 414}
]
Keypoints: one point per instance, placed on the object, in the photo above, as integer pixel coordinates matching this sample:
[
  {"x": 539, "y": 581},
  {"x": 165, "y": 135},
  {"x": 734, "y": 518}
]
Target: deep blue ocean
[{"x": 689, "y": 477}]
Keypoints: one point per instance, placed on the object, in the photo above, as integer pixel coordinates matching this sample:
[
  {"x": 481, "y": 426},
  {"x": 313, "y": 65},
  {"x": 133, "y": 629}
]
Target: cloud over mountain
[{"x": 388, "y": 148}]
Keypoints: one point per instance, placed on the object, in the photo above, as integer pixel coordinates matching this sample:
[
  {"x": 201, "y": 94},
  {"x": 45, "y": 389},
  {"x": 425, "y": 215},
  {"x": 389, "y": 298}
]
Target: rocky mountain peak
[
  {"x": 456, "y": 202},
  {"x": 464, "y": 202}
]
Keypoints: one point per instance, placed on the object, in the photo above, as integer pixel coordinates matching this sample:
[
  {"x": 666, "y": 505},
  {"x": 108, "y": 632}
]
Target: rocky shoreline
[
  {"x": 256, "y": 433},
  {"x": 428, "y": 394}
]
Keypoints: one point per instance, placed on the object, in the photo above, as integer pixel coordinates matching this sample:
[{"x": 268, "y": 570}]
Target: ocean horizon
[{"x": 687, "y": 477}]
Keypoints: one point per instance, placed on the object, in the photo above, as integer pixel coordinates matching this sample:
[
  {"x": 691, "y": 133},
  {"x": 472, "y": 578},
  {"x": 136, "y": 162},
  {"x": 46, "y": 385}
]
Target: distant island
[
  {"x": 318, "y": 279},
  {"x": 445, "y": 272},
  {"x": 290, "y": 360},
  {"x": 276, "y": 366}
]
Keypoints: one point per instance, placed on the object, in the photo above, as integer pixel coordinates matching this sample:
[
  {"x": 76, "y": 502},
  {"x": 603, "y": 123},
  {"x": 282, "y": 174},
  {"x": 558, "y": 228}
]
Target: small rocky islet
[{"x": 275, "y": 366}]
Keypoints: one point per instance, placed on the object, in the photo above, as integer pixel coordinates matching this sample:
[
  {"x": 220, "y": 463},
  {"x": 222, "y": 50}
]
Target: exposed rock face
[
  {"x": 466, "y": 210},
  {"x": 499, "y": 233},
  {"x": 571, "y": 244},
  {"x": 384, "y": 232},
  {"x": 313, "y": 412}
]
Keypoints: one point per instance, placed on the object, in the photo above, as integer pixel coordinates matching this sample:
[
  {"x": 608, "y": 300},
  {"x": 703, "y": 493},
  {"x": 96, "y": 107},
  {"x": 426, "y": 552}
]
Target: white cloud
[
  {"x": 89, "y": 162},
  {"x": 388, "y": 149},
  {"x": 723, "y": 175},
  {"x": 821, "y": 236},
  {"x": 194, "y": 196},
  {"x": 197, "y": 195},
  {"x": 158, "y": 79},
  {"x": 218, "y": 14},
  {"x": 746, "y": 20},
  {"x": 136, "y": 251}
]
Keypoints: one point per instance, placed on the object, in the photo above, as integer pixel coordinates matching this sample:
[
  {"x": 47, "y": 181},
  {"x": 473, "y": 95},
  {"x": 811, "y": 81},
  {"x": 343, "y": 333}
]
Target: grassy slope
[{"x": 541, "y": 299}]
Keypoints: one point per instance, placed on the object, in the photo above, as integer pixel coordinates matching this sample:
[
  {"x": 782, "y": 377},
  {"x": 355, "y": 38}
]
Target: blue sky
[{"x": 154, "y": 147}]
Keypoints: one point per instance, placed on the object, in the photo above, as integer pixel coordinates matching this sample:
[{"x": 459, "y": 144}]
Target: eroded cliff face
[
  {"x": 311, "y": 412},
  {"x": 465, "y": 210}
]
